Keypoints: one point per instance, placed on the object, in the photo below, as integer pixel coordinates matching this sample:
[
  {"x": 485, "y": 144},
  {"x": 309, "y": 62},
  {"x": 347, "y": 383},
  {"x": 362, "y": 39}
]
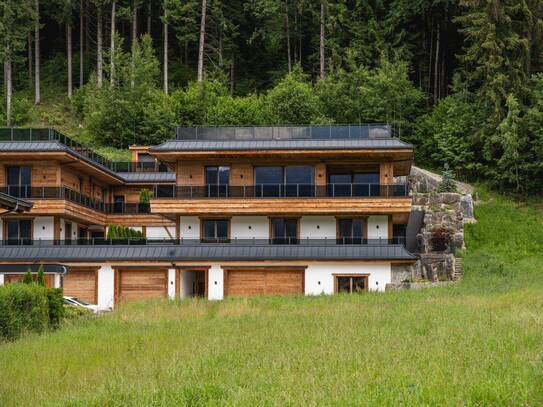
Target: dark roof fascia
[
  {"x": 23, "y": 268},
  {"x": 13, "y": 203},
  {"x": 205, "y": 252}
]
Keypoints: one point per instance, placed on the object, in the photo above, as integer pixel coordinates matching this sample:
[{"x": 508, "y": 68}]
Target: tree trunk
[
  {"x": 69, "y": 58},
  {"x": 202, "y": 43},
  {"x": 112, "y": 47},
  {"x": 30, "y": 56},
  {"x": 295, "y": 33},
  {"x": 7, "y": 71},
  {"x": 81, "y": 43},
  {"x": 99, "y": 57},
  {"x": 37, "y": 93},
  {"x": 321, "y": 46},
  {"x": 289, "y": 60},
  {"x": 149, "y": 17},
  {"x": 436, "y": 67},
  {"x": 87, "y": 30},
  {"x": 232, "y": 76},
  {"x": 186, "y": 59},
  {"x": 165, "y": 52},
  {"x": 135, "y": 24}
]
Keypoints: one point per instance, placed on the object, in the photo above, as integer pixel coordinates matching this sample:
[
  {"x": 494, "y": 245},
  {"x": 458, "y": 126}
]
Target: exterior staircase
[{"x": 458, "y": 269}]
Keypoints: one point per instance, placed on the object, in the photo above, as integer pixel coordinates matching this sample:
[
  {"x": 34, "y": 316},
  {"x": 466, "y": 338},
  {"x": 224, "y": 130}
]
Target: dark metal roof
[
  {"x": 328, "y": 144},
  {"x": 204, "y": 252},
  {"x": 15, "y": 204},
  {"x": 147, "y": 177}
]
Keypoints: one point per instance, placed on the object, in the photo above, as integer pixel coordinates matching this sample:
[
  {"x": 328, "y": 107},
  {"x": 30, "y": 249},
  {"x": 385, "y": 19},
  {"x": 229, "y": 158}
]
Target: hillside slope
[{"x": 475, "y": 343}]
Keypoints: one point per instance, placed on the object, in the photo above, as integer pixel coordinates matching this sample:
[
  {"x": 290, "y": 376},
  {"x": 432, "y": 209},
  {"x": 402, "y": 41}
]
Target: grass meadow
[{"x": 479, "y": 342}]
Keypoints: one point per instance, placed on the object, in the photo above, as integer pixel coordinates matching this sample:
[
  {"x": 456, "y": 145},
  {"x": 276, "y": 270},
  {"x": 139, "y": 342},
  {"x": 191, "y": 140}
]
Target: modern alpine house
[{"x": 223, "y": 211}]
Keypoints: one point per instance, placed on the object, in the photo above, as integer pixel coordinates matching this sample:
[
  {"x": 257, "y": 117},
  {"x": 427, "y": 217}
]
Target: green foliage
[
  {"x": 22, "y": 110},
  {"x": 55, "y": 305},
  {"x": 292, "y": 101},
  {"x": 40, "y": 277},
  {"x": 119, "y": 232},
  {"x": 236, "y": 111},
  {"x": 145, "y": 196},
  {"x": 23, "y": 309},
  {"x": 447, "y": 183},
  {"x": 27, "y": 278},
  {"x": 73, "y": 313}
]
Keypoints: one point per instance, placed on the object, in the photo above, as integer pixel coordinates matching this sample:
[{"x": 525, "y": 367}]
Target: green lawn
[{"x": 477, "y": 343}]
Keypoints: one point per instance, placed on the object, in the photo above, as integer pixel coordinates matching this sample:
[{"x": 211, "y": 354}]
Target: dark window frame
[
  {"x": 215, "y": 238},
  {"x": 337, "y": 277},
  {"x": 284, "y": 239}
]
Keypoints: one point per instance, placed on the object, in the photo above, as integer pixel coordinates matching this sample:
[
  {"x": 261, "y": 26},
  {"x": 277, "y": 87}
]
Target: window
[
  {"x": 284, "y": 181},
  {"x": 118, "y": 204},
  {"x": 145, "y": 161},
  {"x": 19, "y": 181},
  {"x": 19, "y": 231},
  {"x": 284, "y": 231},
  {"x": 217, "y": 180},
  {"x": 353, "y": 183},
  {"x": 350, "y": 231},
  {"x": 399, "y": 233},
  {"x": 215, "y": 230},
  {"x": 351, "y": 284}
]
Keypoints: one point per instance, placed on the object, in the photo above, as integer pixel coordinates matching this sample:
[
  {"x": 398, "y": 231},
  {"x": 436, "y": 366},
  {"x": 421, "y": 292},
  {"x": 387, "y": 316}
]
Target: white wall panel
[
  {"x": 215, "y": 290},
  {"x": 378, "y": 227},
  {"x": 44, "y": 228},
  {"x": 189, "y": 227},
  {"x": 318, "y": 227},
  {"x": 248, "y": 227},
  {"x": 319, "y": 278},
  {"x": 106, "y": 284}
]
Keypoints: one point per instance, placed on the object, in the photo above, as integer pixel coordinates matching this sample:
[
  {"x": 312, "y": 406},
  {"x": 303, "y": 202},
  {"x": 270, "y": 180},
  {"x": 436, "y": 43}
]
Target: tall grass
[{"x": 476, "y": 343}]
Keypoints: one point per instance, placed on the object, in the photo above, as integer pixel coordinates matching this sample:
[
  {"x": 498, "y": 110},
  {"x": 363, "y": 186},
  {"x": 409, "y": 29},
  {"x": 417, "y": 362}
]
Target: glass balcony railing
[{"x": 282, "y": 191}]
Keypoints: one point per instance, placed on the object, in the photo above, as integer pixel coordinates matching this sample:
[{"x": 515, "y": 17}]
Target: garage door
[
  {"x": 264, "y": 282},
  {"x": 81, "y": 283},
  {"x": 18, "y": 278},
  {"x": 142, "y": 284}
]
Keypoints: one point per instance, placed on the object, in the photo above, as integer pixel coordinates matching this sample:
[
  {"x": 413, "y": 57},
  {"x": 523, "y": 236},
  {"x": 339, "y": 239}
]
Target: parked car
[{"x": 77, "y": 302}]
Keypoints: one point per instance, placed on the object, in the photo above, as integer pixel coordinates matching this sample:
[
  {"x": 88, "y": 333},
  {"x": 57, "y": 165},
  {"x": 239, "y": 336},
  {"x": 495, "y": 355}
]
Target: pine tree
[
  {"x": 448, "y": 184},
  {"x": 40, "y": 279},
  {"x": 27, "y": 279}
]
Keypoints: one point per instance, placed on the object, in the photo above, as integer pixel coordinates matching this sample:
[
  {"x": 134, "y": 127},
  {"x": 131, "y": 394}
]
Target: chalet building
[{"x": 232, "y": 212}]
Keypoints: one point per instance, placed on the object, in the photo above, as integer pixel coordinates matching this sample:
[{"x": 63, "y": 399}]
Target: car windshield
[{"x": 80, "y": 301}]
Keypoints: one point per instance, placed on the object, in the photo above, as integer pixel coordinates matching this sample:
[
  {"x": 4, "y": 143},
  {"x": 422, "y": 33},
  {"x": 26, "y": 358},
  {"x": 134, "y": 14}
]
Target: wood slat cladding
[
  {"x": 131, "y": 194},
  {"x": 140, "y": 283},
  {"x": 282, "y": 206},
  {"x": 18, "y": 278},
  {"x": 320, "y": 174},
  {"x": 44, "y": 174},
  {"x": 273, "y": 281},
  {"x": 82, "y": 283},
  {"x": 386, "y": 173},
  {"x": 241, "y": 174},
  {"x": 190, "y": 173}
]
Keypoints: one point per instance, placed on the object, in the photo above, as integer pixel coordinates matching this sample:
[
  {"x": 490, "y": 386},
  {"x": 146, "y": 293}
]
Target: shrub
[
  {"x": 72, "y": 312},
  {"x": 118, "y": 232},
  {"x": 23, "y": 308},
  {"x": 27, "y": 279},
  {"x": 447, "y": 183},
  {"x": 55, "y": 303},
  {"x": 40, "y": 278}
]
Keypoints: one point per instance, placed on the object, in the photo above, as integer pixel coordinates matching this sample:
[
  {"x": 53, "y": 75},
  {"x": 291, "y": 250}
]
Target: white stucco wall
[
  {"x": 2, "y": 227},
  {"x": 106, "y": 284},
  {"x": 171, "y": 284},
  {"x": 318, "y": 227},
  {"x": 378, "y": 227},
  {"x": 248, "y": 227},
  {"x": 319, "y": 278},
  {"x": 215, "y": 289},
  {"x": 63, "y": 223},
  {"x": 160, "y": 232},
  {"x": 56, "y": 280},
  {"x": 189, "y": 227},
  {"x": 44, "y": 228},
  {"x": 1, "y": 279}
]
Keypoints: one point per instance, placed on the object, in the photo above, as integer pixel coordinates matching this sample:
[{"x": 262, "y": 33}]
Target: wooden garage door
[
  {"x": 264, "y": 282},
  {"x": 142, "y": 284},
  {"x": 81, "y": 283}
]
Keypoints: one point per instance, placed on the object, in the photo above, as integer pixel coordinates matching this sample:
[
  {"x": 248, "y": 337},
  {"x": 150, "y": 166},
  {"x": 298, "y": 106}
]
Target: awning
[
  {"x": 23, "y": 268},
  {"x": 14, "y": 204}
]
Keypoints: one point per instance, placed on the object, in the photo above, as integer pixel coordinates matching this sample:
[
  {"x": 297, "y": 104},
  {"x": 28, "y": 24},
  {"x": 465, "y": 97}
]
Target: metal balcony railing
[
  {"x": 29, "y": 192},
  {"x": 49, "y": 134},
  {"x": 301, "y": 132},
  {"x": 282, "y": 191},
  {"x": 331, "y": 241}
]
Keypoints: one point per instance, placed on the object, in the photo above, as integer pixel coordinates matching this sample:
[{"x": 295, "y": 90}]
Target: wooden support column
[
  {"x": 56, "y": 228},
  {"x": 177, "y": 227},
  {"x": 386, "y": 177},
  {"x": 390, "y": 227}
]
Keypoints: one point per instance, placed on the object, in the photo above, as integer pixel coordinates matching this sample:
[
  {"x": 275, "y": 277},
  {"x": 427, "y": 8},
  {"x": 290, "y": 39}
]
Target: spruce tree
[
  {"x": 448, "y": 183},
  {"x": 40, "y": 280}
]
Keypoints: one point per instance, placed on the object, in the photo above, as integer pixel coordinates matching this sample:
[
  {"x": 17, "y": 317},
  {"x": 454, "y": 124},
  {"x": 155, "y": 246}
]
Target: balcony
[
  {"x": 283, "y": 191},
  {"x": 320, "y": 242}
]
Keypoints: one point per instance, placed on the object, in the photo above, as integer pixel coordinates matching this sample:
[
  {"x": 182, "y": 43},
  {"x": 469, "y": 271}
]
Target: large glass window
[
  {"x": 353, "y": 183},
  {"x": 399, "y": 233},
  {"x": 284, "y": 231},
  {"x": 351, "y": 284},
  {"x": 217, "y": 180},
  {"x": 350, "y": 231},
  {"x": 19, "y": 181},
  {"x": 118, "y": 205},
  {"x": 19, "y": 231},
  {"x": 215, "y": 230},
  {"x": 284, "y": 181}
]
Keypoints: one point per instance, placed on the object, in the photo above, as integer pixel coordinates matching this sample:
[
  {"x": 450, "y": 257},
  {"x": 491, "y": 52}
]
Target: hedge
[{"x": 26, "y": 308}]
